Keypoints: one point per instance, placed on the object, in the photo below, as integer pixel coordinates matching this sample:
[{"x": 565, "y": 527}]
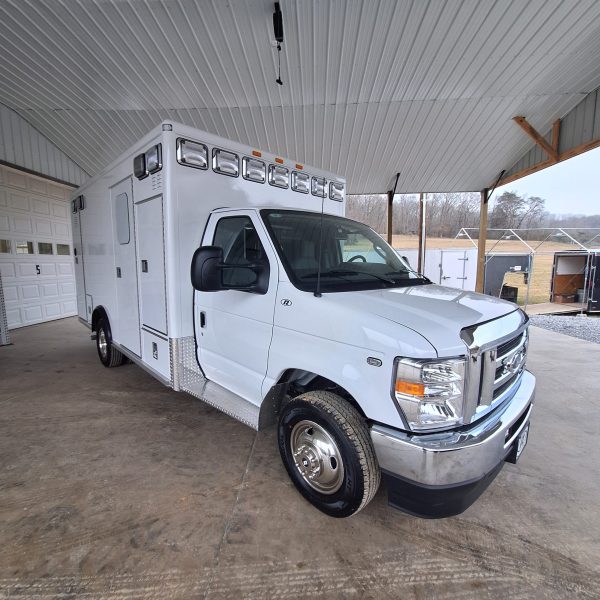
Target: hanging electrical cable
[{"x": 278, "y": 33}]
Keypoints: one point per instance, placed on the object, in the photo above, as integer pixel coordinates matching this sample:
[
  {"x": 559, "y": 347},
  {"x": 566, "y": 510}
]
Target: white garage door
[{"x": 36, "y": 249}]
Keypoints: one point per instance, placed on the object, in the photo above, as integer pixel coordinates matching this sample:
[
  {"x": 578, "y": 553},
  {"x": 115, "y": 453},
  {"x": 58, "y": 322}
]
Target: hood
[{"x": 438, "y": 313}]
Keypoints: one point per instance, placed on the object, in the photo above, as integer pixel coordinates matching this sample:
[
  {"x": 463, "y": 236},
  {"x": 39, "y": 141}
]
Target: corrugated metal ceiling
[{"x": 427, "y": 88}]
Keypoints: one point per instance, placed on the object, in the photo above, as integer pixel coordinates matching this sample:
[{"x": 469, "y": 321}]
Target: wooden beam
[
  {"x": 537, "y": 138},
  {"x": 421, "y": 254},
  {"x": 555, "y": 135},
  {"x": 483, "y": 221},
  {"x": 390, "y": 215},
  {"x": 548, "y": 163}
]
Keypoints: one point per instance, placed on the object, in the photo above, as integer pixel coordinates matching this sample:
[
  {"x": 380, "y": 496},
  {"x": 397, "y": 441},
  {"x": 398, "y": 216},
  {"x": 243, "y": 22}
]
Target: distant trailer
[{"x": 576, "y": 279}]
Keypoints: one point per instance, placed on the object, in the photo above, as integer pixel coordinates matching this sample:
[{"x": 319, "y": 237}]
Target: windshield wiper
[{"x": 342, "y": 272}]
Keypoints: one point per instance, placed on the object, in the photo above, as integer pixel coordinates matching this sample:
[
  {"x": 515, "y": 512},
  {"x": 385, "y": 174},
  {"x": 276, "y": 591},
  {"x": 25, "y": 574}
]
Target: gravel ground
[{"x": 585, "y": 328}]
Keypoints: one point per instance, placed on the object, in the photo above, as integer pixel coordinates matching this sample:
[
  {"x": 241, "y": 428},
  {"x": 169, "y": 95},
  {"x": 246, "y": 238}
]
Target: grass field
[{"x": 539, "y": 288}]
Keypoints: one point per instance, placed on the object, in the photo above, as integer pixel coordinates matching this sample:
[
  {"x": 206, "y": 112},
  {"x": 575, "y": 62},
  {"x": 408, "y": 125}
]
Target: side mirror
[
  {"x": 210, "y": 274},
  {"x": 206, "y": 272}
]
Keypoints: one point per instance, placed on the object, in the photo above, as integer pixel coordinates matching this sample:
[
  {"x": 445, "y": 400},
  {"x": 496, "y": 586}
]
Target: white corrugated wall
[{"x": 23, "y": 146}]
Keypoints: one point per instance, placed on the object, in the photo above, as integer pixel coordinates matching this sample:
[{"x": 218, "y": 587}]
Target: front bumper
[{"x": 442, "y": 474}]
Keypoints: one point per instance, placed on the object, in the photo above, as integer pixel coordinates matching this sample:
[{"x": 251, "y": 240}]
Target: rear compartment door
[{"x": 126, "y": 329}]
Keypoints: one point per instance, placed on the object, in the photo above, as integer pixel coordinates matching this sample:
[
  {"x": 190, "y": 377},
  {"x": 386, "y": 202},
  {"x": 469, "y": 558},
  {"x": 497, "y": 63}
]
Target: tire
[
  {"x": 326, "y": 448},
  {"x": 108, "y": 354}
]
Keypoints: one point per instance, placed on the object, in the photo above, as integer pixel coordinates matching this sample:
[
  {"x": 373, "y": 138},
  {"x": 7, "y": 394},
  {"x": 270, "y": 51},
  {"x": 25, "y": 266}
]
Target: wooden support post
[
  {"x": 555, "y": 136},
  {"x": 483, "y": 221},
  {"x": 421, "y": 255},
  {"x": 390, "y": 216},
  {"x": 550, "y": 150}
]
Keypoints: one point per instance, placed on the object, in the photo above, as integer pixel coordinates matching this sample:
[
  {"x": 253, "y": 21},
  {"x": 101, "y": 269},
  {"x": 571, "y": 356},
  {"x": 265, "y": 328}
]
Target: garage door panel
[
  {"x": 30, "y": 291},
  {"x": 59, "y": 210},
  {"x": 3, "y": 198},
  {"x": 10, "y": 292},
  {"x": 41, "y": 207},
  {"x": 50, "y": 290},
  {"x": 18, "y": 201},
  {"x": 4, "y": 223},
  {"x": 56, "y": 191},
  {"x": 67, "y": 288},
  {"x": 22, "y": 225},
  {"x": 26, "y": 270},
  {"x": 65, "y": 269},
  {"x": 18, "y": 180},
  {"x": 69, "y": 307},
  {"x": 37, "y": 186},
  {"x": 43, "y": 227},
  {"x": 52, "y": 311},
  {"x": 32, "y": 313},
  {"x": 61, "y": 230},
  {"x": 8, "y": 271},
  {"x": 13, "y": 317},
  {"x": 47, "y": 269}
]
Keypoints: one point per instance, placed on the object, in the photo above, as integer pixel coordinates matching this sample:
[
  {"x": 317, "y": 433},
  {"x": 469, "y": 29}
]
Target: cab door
[{"x": 234, "y": 328}]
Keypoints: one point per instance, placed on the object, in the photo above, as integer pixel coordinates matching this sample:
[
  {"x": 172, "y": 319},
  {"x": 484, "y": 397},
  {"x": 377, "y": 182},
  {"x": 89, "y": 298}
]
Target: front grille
[
  {"x": 506, "y": 347},
  {"x": 502, "y": 368}
]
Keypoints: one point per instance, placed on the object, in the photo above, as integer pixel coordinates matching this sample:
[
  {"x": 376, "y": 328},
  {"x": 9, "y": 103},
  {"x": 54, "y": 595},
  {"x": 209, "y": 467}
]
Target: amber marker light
[
  {"x": 279, "y": 161},
  {"x": 411, "y": 389},
  {"x": 299, "y": 167},
  {"x": 257, "y": 153}
]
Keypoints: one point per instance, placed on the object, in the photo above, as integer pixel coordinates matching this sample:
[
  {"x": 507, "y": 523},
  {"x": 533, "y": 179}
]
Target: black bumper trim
[{"x": 435, "y": 501}]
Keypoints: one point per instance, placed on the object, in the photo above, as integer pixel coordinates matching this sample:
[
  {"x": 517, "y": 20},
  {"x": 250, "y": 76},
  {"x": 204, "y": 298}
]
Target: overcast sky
[{"x": 570, "y": 187}]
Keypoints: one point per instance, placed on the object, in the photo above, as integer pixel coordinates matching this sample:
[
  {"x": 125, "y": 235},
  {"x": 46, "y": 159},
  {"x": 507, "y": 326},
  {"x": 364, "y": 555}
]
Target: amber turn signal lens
[
  {"x": 279, "y": 161},
  {"x": 256, "y": 153},
  {"x": 411, "y": 389}
]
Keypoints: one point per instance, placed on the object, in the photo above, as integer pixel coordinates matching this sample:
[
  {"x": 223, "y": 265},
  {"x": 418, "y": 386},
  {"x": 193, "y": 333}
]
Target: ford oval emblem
[{"x": 286, "y": 302}]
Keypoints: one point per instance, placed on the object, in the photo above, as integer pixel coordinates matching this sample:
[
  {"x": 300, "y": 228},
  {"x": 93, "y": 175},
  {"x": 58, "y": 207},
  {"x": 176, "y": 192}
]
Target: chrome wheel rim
[
  {"x": 102, "y": 343},
  {"x": 317, "y": 457}
]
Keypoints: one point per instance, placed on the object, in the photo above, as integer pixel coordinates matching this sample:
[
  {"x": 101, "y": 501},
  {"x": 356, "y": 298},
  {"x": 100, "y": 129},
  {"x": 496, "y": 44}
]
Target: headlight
[{"x": 430, "y": 392}]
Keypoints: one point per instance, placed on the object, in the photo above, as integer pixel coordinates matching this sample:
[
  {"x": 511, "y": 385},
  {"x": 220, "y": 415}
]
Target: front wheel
[
  {"x": 326, "y": 448},
  {"x": 109, "y": 355}
]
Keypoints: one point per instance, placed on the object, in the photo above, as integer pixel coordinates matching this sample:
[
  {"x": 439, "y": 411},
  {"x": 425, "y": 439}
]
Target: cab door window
[{"x": 241, "y": 246}]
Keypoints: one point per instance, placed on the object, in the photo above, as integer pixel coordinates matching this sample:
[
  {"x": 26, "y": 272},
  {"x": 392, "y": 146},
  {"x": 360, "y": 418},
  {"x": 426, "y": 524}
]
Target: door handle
[
  {"x": 144, "y": 266},
  {"x": 202, "y": 319},
  {"x": 118, "y": 272}
]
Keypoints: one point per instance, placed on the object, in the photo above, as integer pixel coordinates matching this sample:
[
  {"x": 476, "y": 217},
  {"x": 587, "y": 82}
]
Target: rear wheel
[
  {"x": 109, "y": 355},
  {"x": 326, "y": 448}
]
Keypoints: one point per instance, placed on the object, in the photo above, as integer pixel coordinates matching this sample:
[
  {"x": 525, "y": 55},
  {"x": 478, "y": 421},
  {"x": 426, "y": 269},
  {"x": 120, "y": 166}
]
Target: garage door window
[
  {"x": 24, "y": 247},
  {"x": 45, "y": 248},
  {"x": 63, "y": 249},
  {"x": 4, "y": 246}
]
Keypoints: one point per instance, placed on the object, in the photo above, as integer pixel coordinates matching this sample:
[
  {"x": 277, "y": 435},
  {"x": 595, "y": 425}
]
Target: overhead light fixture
[{"x": 278, "y": 33}]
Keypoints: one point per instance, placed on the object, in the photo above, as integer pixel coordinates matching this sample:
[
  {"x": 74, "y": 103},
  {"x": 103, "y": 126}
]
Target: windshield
[{"x": 352, "y": 255}]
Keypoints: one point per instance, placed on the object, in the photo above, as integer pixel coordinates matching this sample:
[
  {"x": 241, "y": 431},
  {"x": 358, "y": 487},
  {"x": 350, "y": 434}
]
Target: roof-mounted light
[
  {"x": 319, "y": 187},
  {"x": 154, "y": 159},
  {"x": 279, "y": 176},
  {"x": 192, "y": 154},
  {"x": 336, "y": 191},
  {"x": 226, "y": 163},
  {"x": 254, "y": 170},
  {"x": 301, "y": 182}
]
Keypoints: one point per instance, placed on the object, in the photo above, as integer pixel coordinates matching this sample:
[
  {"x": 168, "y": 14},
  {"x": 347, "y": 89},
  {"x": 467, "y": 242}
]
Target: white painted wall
[{"x": 24, "y": 146}]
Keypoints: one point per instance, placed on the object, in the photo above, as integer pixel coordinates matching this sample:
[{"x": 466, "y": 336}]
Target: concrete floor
[{"x": 113, "y": 486}]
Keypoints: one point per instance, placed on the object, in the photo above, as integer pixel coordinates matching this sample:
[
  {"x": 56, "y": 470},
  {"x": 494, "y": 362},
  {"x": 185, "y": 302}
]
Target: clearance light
[
  {"x": 253, "y": 170},
  {"x": 192, "y": 154},
  {"x": 299, "y": 167},
  {"x": 279, "y": 161},
  {"x": 225, "y": 163},
  {"x": 430, "y": 393},
  {"x": 256, "y": 153},
  {"x": 300, "y": 182},
  {"x": 278, "y": 176}
]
